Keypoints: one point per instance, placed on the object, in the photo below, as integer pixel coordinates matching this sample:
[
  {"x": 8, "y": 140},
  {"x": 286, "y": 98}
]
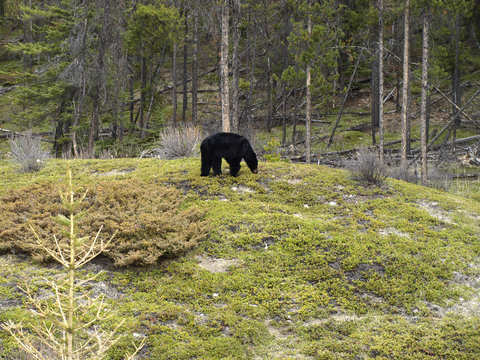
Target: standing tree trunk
[
  {"x": 100, "y": 75},
  {"x": 380, "y": 78},
  {"x": 252, "y": 81},
  {"x": 406, "y": 85},
  {"x": 456, "y": 89},
  {"x": 174, "y": 84},
  {"x": 423, "y": 106},
  {"x": 152, "y": 97},
  {"x": 236, "y": 65},
  {"x": 77, "y": 113},
  {"x": 375, "y": 79},
  {"x": 308, "y": 120},
  {"x": 269, "y": 70},
  {"x": 285, "y": 65},
  {"x": 224, "y": 70},
  {"x": 195, "y": 65},
  {"x": 143, "y": 85},
  {"x": 130, "y": 88},
  {"x": 185, "y": 72}
]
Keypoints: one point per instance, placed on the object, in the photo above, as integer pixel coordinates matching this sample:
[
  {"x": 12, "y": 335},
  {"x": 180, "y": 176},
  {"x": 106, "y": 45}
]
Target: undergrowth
[{"x": 145, "y": 217}]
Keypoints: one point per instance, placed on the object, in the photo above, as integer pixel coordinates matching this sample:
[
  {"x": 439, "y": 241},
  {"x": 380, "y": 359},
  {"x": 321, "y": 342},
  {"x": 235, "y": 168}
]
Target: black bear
[{"x": 232, "y": 147}]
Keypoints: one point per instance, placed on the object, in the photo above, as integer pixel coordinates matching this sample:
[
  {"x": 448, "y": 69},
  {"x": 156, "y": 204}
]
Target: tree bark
[
  {"x": 406, "y": 86},
  {"x": 224, "y": 91},
  {"x": 195, "y": 65},
  {"x": 456, "y": 88},
  {"x": 308, "y": 120},
  {"x": 375, "y": 82},
  {"x": 423, "y": 105},
  {"x": 185, "y": 72},
  {"x": 157, "y": 77},
  {"x": 252, "y": 82},
  {"x": 236, "y": 66},
  {"x": 330, "y": 140},
  {"x": 380, "y": 80},
  {"x": 174, "y": 84},
  {"x": 99, "y": 74}
]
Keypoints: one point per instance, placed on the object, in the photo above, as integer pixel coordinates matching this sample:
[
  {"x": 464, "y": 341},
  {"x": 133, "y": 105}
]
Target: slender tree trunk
[
  {"x": 67, "y": 145},
  {"x": 423, "y": 106},
  {"x": 157, "y": 77},
  {"x": 224, "y": 91},
  {"x": 58, "y": 135},
  {"x": 195, "y": 65},
  {"x": 375, "y": 79},
  {"x": 456, "y": 88},
  {"x": 406, "y": 85},
  {"x": 252, "y": 80},
  {"x": 236, "y": 66},
  {"x": 130, "y": 89},
  {"x": 95, "y": 120},
  {"x": 269, "y": 70},
  {"x": 174, "y": 83},
  {"x": 308, "y": 120},
  {"x": 143, "y": 84},
  {"x": 285, "y": 65},
  {"x": 185, "y": 72},
  {"x": 330, "y": 140},
  {"x": 77, "y": 112},
  {"x": 380, "y": 79}
]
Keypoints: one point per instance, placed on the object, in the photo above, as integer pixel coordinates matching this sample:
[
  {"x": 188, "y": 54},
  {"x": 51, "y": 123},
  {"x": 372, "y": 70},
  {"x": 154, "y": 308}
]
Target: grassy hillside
[{"x": 300, "y": 262}]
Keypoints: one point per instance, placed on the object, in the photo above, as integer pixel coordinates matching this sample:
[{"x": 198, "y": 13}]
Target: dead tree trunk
[
  {"x": 423, "y": 110},
  {"x": 195, "y": 65},
  {"x": 308, "y": 120},
  {"x": 185, "y": 73},
  {"x": 406, "y": 85},
  {"x": 380, "y": 79},
  {"x": 100, "y": 75},
  {"x": 236, "y": 66},
  {"x": 224, "y": 70}
]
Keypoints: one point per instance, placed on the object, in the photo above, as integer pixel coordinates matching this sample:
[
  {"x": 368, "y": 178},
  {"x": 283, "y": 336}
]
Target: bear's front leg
[{"x": 217, "y": 166}]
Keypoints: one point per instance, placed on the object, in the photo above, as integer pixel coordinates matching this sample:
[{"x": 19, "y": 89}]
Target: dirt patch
[
  {"x": 392, "y": 230},
  {"x": 436, "y": 211},
  {"x": 113, "y": 172},
  {"x": 216, "y": 265}
]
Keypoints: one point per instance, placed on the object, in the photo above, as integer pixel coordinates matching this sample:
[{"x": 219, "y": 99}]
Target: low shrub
[
  {"x": 402, "y": 172},
  {"x": 439, "y": 180},
  {"x": 366, "y": 167},
  {"x": 147, "y": 219},
  {"x": 27, "y": 152},
  {"x": 179, "y": 142}
]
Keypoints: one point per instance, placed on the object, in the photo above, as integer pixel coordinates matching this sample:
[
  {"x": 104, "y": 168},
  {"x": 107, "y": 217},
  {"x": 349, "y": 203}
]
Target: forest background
[{"x": 111, "y": 74}]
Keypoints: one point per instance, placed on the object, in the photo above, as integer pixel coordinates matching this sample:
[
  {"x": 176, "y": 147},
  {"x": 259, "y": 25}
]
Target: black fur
[{"x": 232, "y": 147}]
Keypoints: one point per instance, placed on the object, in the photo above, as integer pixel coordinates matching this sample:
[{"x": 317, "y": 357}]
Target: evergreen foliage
[
  {"x": 146, "y": 219},
  {"x": 68, "y": 325}
]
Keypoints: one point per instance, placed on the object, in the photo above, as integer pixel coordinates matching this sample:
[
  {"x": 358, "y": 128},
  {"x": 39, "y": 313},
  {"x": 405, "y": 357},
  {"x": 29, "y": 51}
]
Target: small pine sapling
[{"x": 68, "y": 324}]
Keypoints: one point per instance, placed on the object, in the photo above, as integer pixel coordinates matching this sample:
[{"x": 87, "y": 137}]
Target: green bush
[{"x": 147, "y": 219}]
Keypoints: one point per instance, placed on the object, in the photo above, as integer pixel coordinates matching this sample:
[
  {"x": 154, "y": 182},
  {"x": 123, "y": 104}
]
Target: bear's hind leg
[{"x": 234, "y": 166}]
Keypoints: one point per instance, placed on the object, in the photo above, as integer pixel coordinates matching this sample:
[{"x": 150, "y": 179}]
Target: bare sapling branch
[{"x": 66, "y": 323}]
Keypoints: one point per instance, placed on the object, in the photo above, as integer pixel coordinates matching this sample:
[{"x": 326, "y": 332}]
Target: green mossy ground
[{"x": 300, "y": 263}]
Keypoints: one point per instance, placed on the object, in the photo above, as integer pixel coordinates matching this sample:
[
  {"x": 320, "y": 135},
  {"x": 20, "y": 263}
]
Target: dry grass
[
  {"x": 176, "y": 143},
  {"x": 28, "y": 153}
]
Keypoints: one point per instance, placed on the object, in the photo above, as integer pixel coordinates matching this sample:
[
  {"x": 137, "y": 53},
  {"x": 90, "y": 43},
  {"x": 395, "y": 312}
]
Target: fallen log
[{"x": 21, "y": 134}]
